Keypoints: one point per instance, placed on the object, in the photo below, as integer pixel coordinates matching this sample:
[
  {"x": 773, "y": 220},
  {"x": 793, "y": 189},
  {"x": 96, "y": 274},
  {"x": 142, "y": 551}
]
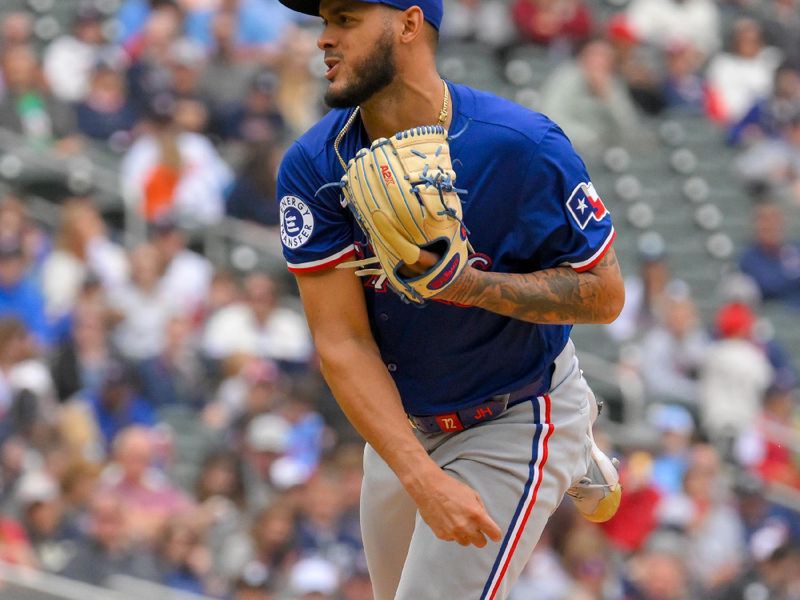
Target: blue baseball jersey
[{"x": 530, "y": 206}]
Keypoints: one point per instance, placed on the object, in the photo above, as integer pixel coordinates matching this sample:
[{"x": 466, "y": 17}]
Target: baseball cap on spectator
[
  {"x": 671, "y": 418},
  {"x": 620, "y": 29},
  {"x": 268, "y": 433},
  {"x": 35, "y": 486},
  {"x": 769, "y": 541},
  {"x": 432, "y": 9},
  {"x": 313, "y": 575},
  {"x": 651, "y": 247},
  {"x": 265, "y": 82},
  {"x": 88, "y": 13},
  {"x": 735, "y": 320},
  {"x": 186, "y": 53}
]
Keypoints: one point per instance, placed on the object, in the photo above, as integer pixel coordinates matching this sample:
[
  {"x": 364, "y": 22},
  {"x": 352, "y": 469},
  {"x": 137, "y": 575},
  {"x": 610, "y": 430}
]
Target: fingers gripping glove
[{"x": 401, "y": 191}]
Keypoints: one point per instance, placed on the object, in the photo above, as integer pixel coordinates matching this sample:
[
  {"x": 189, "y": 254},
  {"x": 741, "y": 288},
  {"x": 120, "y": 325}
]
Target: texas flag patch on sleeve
[{"x": 585, "y": 205}]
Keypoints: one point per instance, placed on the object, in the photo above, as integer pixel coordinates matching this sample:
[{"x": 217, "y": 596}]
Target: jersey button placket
[{"x": 383, "y": 316}]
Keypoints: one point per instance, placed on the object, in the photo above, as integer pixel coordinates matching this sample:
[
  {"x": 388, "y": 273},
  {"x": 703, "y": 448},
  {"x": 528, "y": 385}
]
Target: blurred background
[{"x": 164, "y": 429}]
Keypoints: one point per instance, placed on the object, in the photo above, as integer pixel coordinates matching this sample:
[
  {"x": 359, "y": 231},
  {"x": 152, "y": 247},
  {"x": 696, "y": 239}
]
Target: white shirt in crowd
[
  {"x": 663, "y": 22},
  {"x": 68, "y": 64},
  {"x": 199, "y": 195},
  {"x": 734, "y": 377},
  {"x": 234, "y": 329},
  {"x": 740, "y": 82},
  {"x": 63, "y": 273},
  {"x": 140, "y": 333},
  {"x": 186, "y": 280}
]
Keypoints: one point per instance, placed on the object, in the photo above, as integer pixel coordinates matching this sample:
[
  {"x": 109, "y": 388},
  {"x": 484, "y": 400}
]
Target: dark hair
[{"x": 227, "y": 459}]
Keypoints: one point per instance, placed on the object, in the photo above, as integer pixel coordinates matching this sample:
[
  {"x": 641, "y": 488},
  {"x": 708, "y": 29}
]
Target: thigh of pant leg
[
  {"x": 521, "y": 467},
  {"x": 387, "y": 523}
]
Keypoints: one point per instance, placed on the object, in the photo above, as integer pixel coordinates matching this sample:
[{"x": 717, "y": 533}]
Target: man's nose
[{"x": 325, "y": 41}]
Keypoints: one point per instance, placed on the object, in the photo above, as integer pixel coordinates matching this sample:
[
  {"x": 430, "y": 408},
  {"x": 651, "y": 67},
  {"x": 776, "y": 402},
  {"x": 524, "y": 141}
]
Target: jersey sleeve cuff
[
  {"x": 592, "y": 261},
  {"x": 324, "y": 263}
]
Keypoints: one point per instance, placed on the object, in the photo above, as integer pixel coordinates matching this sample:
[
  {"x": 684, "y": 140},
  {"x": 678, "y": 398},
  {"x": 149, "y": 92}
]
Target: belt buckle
[{"x": 413, "y": 423}]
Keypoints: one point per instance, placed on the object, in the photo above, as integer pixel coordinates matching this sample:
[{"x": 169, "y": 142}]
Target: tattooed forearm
[{"x": 554, "y": 296}]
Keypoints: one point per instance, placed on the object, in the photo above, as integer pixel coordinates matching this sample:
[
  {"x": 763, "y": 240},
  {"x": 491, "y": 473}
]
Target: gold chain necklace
[{"x": 442, "y": 120}]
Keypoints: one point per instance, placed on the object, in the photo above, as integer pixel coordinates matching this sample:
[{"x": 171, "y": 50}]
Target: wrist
[
  {"x": 417, "y": 480},
  {"x": 464, "y": 289}
]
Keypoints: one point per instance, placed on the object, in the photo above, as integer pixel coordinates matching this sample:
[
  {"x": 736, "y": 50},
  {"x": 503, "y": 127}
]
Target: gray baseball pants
[{"x": 520, "y": 463}]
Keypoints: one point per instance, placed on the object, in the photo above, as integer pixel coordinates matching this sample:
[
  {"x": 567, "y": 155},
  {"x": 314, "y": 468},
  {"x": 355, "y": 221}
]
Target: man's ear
[{"x": 413, "y": 22}]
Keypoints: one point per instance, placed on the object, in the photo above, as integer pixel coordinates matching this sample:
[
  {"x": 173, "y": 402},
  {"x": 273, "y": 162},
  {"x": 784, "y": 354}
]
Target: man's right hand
[{"x": 454, "y": 511}]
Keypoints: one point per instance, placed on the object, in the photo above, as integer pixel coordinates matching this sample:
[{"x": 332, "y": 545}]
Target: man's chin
[{"x": 339, "y": 98}]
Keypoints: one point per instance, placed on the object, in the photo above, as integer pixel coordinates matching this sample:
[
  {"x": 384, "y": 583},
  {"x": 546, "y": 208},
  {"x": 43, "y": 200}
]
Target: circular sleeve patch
[{"x": 297, "y": 222}]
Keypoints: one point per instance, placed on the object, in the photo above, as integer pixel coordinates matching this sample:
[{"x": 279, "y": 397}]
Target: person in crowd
[
  {"x": 259, "y": 326},
  {"x": 269, "y": 548},
  {"x": 258, "y": 24},
  {"x": 16, "y": 29},
  {"x": 184, "y": 563},
  {"x": 17, "y": 222},
  {"x": 545, "y": 22},
  {"x": 15, "y": 548},
  {"x": 662, "y": 22},
  {"x": 675, "y": 426},
  {"x": 69, "y": 59},
  {"x": 764, "y": 448},
  {"x": 185, "y": 63},
  {"x": 769, "y": 116},
  {"x": 116, "y": 405},
  {"x": 773, "y": 573},
  {"x": 83, "y": 250},
  {"x": 53, "y": 537},
  {"x": 149, "y": 499},
  {"x": 684, "y": 85},
  {"x": 781, "y": 22},
  {"x": 266, "y": 440},
  {"x": 81, "y": 360},
  {"x": 186, "y": 275},
  {"x": 256, "y": 117},
  {"x": 20, "y": 295},
  {"x": 714, "y": 534},
  {"x": 221, "y": 496},
  {"x": 590, "y": 101},
  {"x": 739, "y": 78},
  {"x": 106, "y": 113},
  {"x": 174, "y": 377},
  {"x": 638, "y": 513},
  {"x": 228, "y": 71},
  {"x": 255, "y": 184},
  {"x": 172, "y": 173},
  {"x": 735, "y": 374},
  {"x": 249, "y": 387},
  {"x": 638, "y": 65},
  {"x": 488, "y": 22},
  {"x": 644, "y": 291},
  {"x": 673, "y": 351},
  {"x": 660, "y": 574},
  {"x": 28, "y": 108},
  {"x": 775, "y": 163},
  {"x": 141, "y": 308},
  {"x": 770, "y": 259},
  {"x": 107, "y": 548},
  {"x": 321, "y": 526},
  {"x": 299, "y": 91}
]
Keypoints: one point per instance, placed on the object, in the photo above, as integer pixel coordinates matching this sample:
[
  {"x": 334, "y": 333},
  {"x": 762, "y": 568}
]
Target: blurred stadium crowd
[{"x": 162, "y": 415}]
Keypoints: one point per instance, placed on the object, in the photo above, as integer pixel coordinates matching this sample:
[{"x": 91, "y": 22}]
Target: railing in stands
[{"x": 22, "y": 583}]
